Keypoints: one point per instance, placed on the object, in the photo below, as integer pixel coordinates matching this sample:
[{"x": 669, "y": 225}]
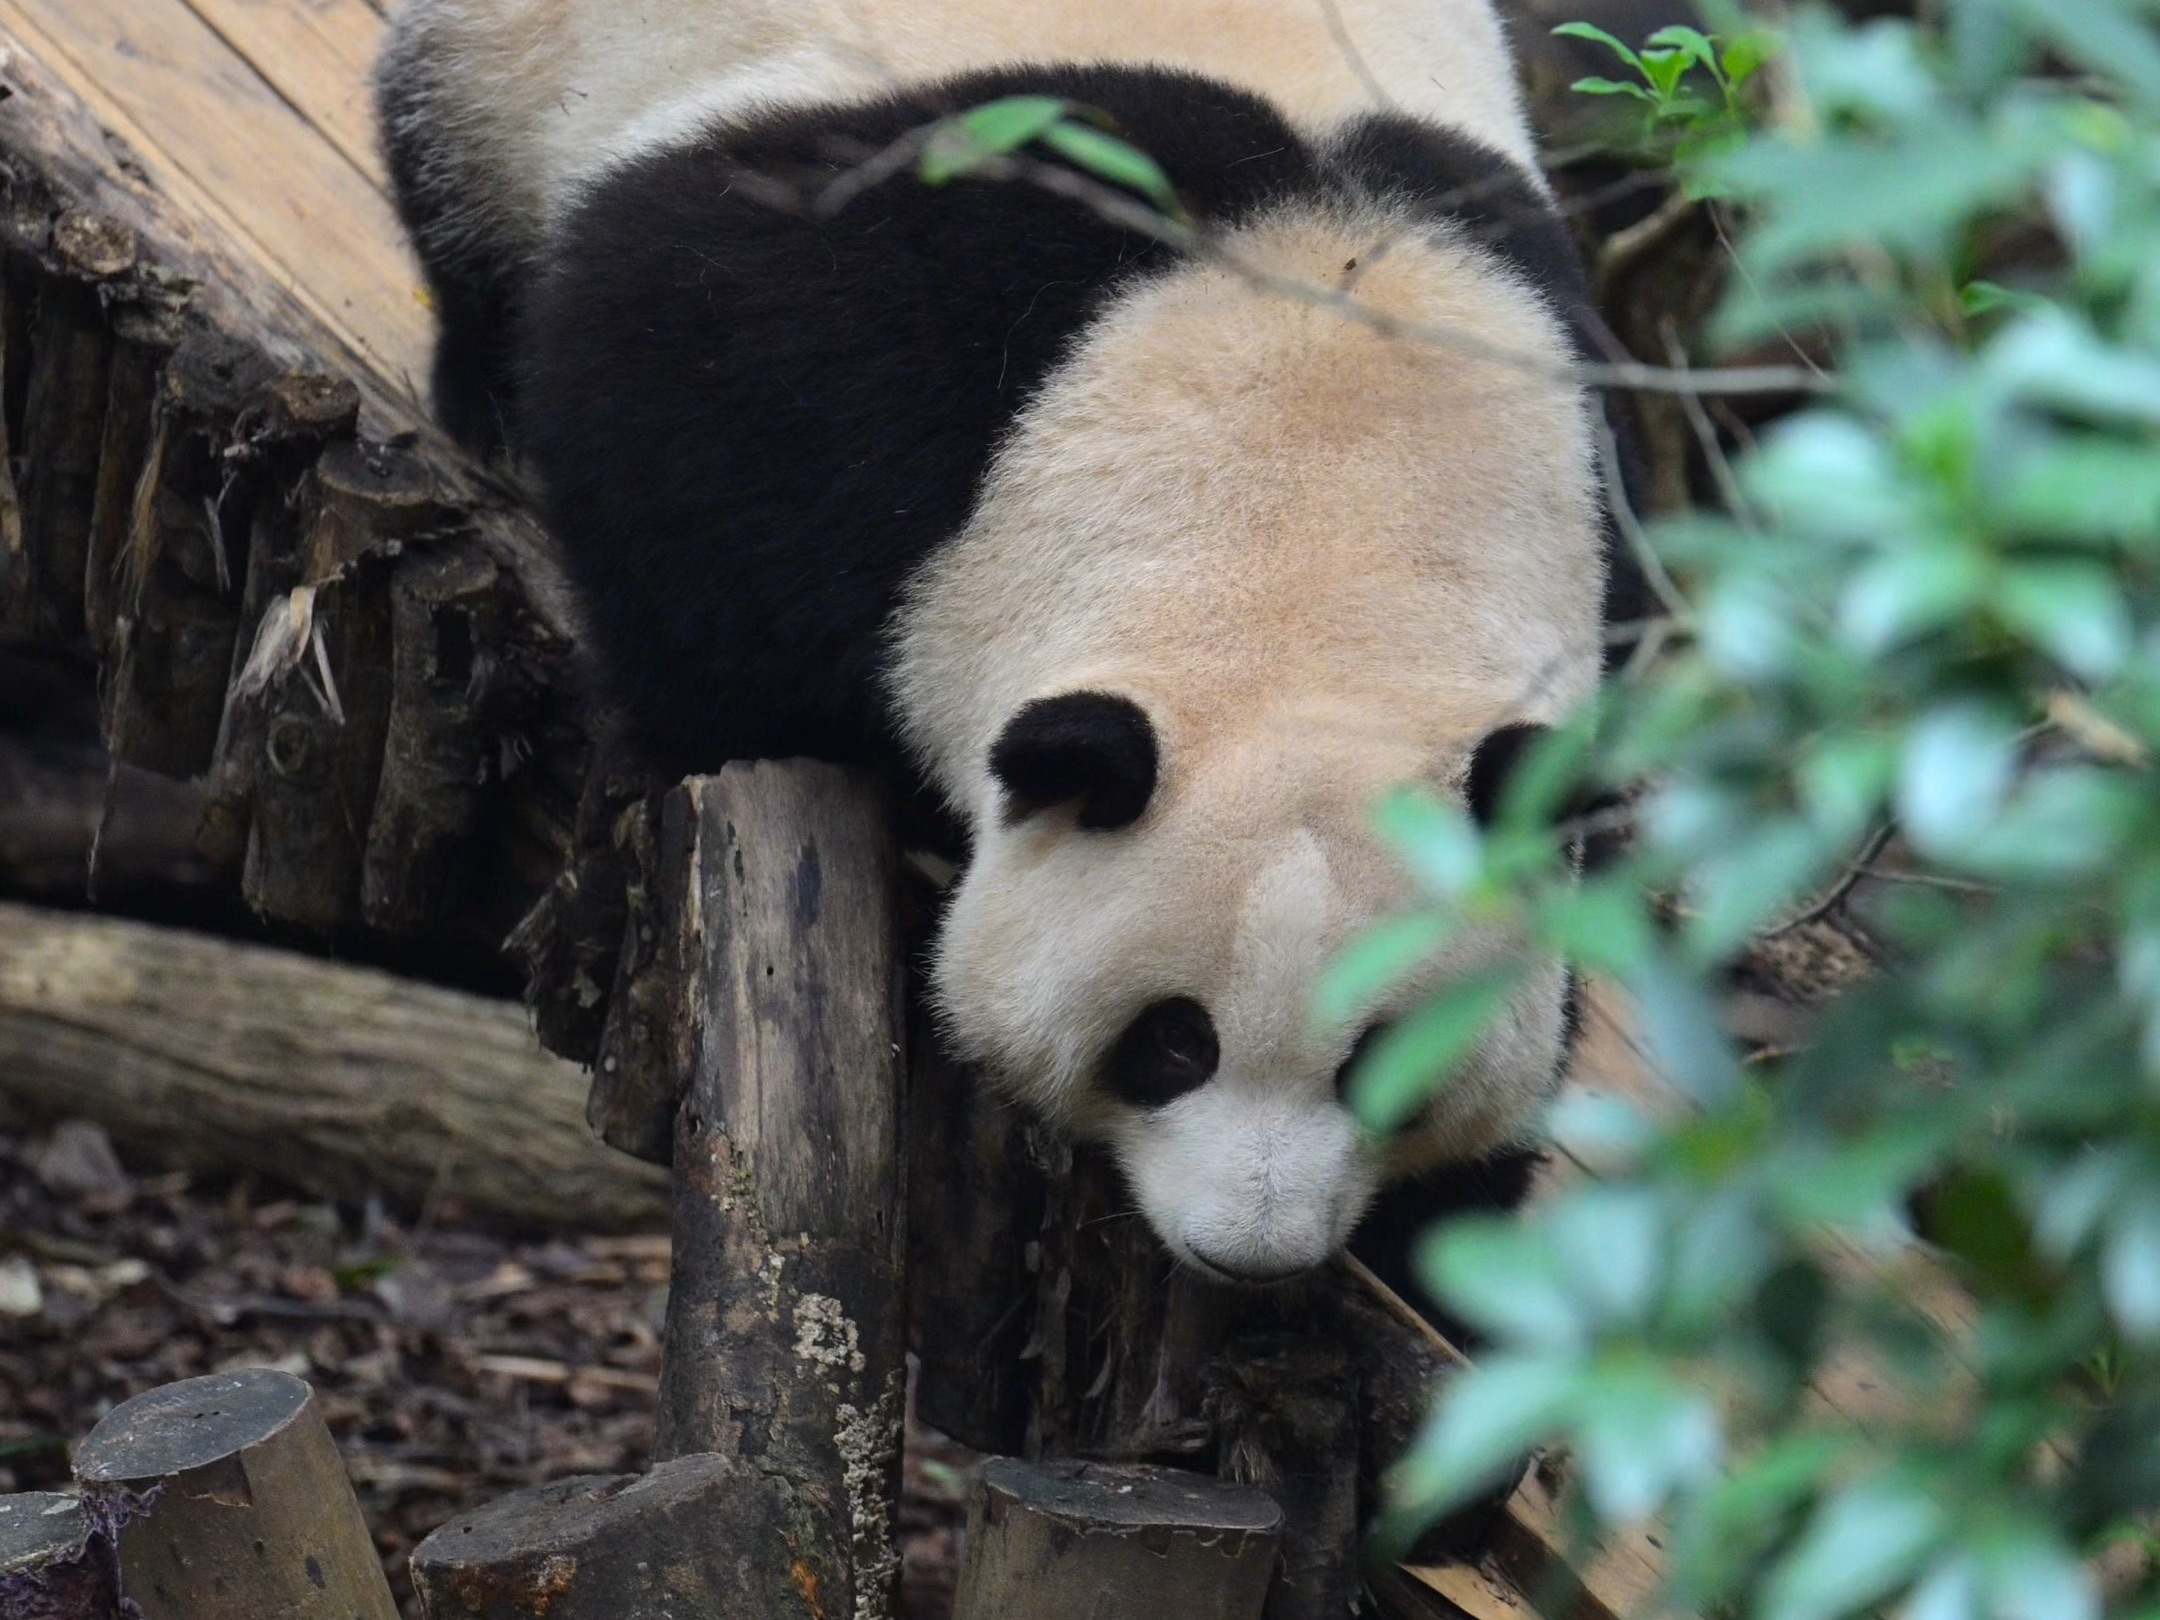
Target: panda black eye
[
  {"x": 1358, "y": 1054},
  {"x": 1168, "y": 1050},
  {"x": 1492, "y": 762}
]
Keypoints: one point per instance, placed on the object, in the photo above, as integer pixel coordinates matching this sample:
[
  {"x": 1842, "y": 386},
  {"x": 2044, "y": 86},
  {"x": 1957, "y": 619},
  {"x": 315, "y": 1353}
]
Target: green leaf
[
  {"x": 1745, "y": 54},
  {"x": 1680, "y": 1027},
  {"x": 1663, "y": 69},
  {"x": 2130, "y": 1268},
  {"x": 1738, "y": 890},
  {"x": 1109, "y": 158},
  {"x": 995, "y": 129},
  {"x": 1504, "y": 1278},
  {"x": 2029, "y": 1574},
  {"x": 1957, "y": 768},
  {"x": 1489, "y": 1418},
  {"x": 1689, "y": 42},
  {"x": 1640, "y": 1436},
  {"x": 1594, "y": 86},
  {"x": 1908, "y": 593},
  {"x": 1437, "y": 840},
  {"x": 1598, "y": 36},
  {"x": 1376, "y": 962},
  {"x": 1418, "y": 1053},
  {"x": 1860, "y": 1546},
  {"x": 1600, "y": 925},
  {"x": 2073, "y": 609}
]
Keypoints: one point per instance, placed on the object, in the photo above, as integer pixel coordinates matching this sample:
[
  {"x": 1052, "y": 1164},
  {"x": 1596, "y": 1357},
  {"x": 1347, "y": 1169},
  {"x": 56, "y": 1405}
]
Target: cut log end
[
  {"x": 1071, "y": 1540},
  {"x": 38, "y": 1530},
  {"x": 179, "y": 1427},
  {"x": 682, "y": 1539}
]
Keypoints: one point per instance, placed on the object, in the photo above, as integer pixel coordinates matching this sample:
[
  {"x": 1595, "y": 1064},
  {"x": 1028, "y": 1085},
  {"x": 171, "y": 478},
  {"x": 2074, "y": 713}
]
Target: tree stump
[
  {"x": 232, "y": 1504},
  {"x": 785, "y": 1345},
  {"x": 1075, "y": 1541},
  {"x": 53, "y": 1564},
  {"x": 657, "y": 1546}
]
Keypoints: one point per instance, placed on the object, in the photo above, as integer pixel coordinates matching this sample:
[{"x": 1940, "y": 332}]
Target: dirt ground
[{"x": 453, "y": 1364}]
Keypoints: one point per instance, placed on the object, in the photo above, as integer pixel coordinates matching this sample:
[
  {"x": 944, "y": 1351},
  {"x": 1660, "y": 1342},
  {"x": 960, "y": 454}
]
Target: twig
[
  {"x": 1646, "y": 557},
  {"x": 1355, "y": 58},
  {"x": 1128, "y": 212},
  {"x": 1855, "y": 870},
  {"x": 1706, "y": 435}
]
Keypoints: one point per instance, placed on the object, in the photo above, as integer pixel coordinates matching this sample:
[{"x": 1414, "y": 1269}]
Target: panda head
[
  {"x": 1238, "y": 568},
  {"x": 1135, "y": 947}
]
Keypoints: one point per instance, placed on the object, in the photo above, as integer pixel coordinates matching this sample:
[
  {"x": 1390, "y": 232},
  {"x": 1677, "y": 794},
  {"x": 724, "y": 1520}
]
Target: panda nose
[{"x": 1250, "y": 1276}]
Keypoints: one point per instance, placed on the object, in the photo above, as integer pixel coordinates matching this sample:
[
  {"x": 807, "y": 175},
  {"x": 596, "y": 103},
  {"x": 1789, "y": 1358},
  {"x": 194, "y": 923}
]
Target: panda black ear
[
  {"x": 1492, "y": 762},
  {"x": 1093, "y": 749}
]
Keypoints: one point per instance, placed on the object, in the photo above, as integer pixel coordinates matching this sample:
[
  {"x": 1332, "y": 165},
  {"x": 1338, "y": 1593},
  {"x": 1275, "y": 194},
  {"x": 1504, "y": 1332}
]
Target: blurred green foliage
[{"x": 1934, "y": 607}]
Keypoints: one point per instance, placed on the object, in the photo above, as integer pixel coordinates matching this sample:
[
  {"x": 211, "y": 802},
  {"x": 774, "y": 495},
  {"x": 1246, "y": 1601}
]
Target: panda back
[{"x": 753, "y": 422}]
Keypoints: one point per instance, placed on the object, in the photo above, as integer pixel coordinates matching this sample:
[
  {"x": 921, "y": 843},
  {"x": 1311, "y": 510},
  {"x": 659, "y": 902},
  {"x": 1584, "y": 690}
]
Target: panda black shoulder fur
[{"x": 1157, "y": 578}]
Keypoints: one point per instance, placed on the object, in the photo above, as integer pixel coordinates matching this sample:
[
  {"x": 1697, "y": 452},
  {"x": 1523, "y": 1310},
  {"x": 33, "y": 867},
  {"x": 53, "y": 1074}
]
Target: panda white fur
[{"x": 1158, "y": 579}]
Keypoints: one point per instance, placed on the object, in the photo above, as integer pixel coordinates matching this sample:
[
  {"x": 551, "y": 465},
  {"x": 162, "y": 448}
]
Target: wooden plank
[
  {"x": 316, "y": 54},
  {"x": 229, "y": 147},
  {"x": 51, "y": 137}
]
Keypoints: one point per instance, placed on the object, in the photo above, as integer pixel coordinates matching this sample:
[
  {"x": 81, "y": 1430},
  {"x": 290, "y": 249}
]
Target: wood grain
[
  {"x": 224, "y": 143},
  {"x": 316, "y": 55},
  {"x": 785, "y": 1339}
]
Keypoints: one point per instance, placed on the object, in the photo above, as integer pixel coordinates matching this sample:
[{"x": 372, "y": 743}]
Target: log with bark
[
  {"x": 277, "y": 580},
  {"x": 340, "y": 1080},
  {"x": 231, "y": 1500}
]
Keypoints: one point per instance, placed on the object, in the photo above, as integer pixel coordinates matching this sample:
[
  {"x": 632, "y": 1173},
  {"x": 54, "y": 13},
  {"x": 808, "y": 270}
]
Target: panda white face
[
  {"x": 1240, "y": 567},
  {"x": 1134, "y": 952}
]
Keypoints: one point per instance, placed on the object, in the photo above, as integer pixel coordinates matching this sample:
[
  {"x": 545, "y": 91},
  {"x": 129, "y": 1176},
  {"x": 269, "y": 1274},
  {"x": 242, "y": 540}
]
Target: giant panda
[{"x": 1156, "y": 573}]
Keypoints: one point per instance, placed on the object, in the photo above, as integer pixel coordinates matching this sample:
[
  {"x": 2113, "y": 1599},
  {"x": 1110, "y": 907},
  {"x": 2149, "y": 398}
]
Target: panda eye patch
[
  {"x": 1492, "y": 762},
  {"x": 1168, "y": 1050}
]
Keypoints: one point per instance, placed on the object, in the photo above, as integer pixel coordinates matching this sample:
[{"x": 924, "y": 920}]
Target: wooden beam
[
  {"x": 223, "y": 143},
  {"x": 317, "y": 55}
]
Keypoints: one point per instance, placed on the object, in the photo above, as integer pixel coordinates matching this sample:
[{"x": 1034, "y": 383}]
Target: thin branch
[
  {"x": 1706, "y": 435},
  {"x": 1859, "y": 867},
  {"x": 1122, "y": 209},
  {"x": 1631, "y": 529},
  {"x": 1340, "y": 33}
]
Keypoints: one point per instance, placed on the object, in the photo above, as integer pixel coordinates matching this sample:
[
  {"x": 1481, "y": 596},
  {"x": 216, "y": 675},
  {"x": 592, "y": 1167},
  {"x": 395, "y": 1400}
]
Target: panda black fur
[{"x": 761, "y": 432}]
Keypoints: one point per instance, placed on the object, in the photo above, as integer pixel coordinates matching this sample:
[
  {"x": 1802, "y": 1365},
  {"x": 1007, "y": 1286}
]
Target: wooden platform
[{"x": 253, "y": 117}]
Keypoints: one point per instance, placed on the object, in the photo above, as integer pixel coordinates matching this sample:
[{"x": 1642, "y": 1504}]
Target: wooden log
[
  {"x": 1286, "y": 1410},
  {"x": 662, "y": 1546},
  {"x": 53, "y": 1566},
  {"x": 63, "y": 428},
  {"x": 171, "y": 589},
  {"x": 1124, "y": 1337},
  {"x": 975, "y": 1209},
  {"x": 232, "y": 1503},
  {"x": 326, "y": 715},
  {"x": 785, "y": 1330},
  {"x": 648, "y": 1046},
  {"x": 445, "y": 626},
  {"x": 340, "y": 1080},
  {"x": 1074, "y": 1541}
]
